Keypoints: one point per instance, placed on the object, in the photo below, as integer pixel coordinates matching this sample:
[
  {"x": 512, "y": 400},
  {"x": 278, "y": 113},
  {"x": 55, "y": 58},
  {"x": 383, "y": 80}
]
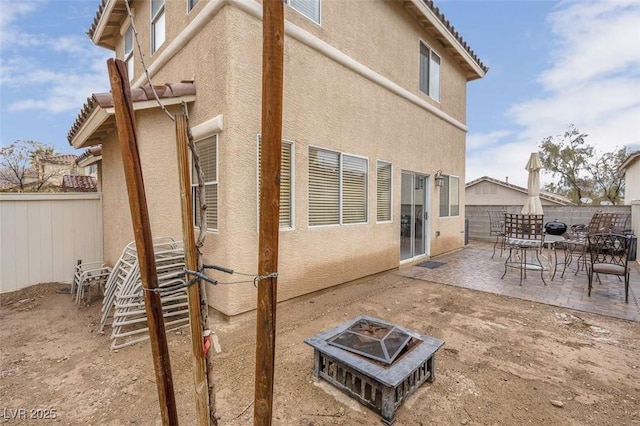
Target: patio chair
[
  {"x": 496, "y": 228},
  {"x": 601, "y": 222},
  {"x": 86, "y": 275},
  {"x": 576, "y": 245},
  {"x": 524, "y": 237},
  {"x": 609, "y": 254}
]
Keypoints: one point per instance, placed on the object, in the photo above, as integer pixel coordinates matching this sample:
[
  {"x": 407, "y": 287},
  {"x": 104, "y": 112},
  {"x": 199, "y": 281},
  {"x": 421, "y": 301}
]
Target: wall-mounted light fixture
[{"x": 439, "y": 178}]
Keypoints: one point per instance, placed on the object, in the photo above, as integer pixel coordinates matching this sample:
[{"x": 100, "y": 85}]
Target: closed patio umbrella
[{"x": 533, "y": 204}]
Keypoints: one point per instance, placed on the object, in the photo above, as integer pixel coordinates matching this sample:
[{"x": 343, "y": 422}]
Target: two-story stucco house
[{"x": 374, "y": 109}]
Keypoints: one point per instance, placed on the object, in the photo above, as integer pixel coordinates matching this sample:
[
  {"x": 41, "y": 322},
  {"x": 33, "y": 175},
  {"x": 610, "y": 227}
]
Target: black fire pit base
[{"x": 380, "y": 387}]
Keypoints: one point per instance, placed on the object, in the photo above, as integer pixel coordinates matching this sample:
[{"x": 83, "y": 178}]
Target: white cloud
[
  {"x": 48, "y": 73},
  {"x": 595, "y": 41},
  {"x": 593, "y": 83},
  {"x": 10, "y": 34},
  {"x": 505, "y": 162},
  {"x": 479, "y": 141}
]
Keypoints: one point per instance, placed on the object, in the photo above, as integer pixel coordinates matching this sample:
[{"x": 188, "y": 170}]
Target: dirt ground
[{"x": 505, "y": 361}]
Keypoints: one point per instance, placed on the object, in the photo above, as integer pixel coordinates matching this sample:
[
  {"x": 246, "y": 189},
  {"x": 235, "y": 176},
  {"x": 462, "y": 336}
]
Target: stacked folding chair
[
  {"x": 87, "y": 275},
  {"x": 124, "y": 298}
]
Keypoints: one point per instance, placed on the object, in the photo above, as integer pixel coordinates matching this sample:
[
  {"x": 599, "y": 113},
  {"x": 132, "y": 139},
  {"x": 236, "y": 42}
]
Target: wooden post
[
  {"x": 205, "y": 414},
  {"x": 272, "y": 64},
  {"x": 125, "y": 124}
]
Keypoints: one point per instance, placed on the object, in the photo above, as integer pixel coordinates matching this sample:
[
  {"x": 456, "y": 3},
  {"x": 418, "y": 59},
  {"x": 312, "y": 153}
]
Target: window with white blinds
[
  {"x": 286, "y": 180},
  {"x": 383, "y": 191},
  {"x": 309, "y": 8},
  {"x": 324, "y": 187},
  {"x": 207, "y": 150},
  {"x": 337, "y": 188},
  {"x": 450, "y": 196},
  {"x": 354, "y": 189}
]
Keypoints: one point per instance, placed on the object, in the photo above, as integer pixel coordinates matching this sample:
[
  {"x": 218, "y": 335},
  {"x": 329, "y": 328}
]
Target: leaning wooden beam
[
  {"x": 272, "y": 80},
  {"x": 203, "y": 386},
  {"x": 125, "y": 123}
]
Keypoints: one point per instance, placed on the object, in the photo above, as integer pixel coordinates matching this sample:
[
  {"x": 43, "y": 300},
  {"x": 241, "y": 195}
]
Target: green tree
[
  {"x": 608, "y": 180},
  {"x": 567, "y": 156},
  {"x": 580, "y": 171},
  {"x": 19, "y": 166}
]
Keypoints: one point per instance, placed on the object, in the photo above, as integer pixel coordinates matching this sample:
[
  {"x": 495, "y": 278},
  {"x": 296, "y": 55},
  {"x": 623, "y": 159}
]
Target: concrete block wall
[{"x": 571, "y": 215}]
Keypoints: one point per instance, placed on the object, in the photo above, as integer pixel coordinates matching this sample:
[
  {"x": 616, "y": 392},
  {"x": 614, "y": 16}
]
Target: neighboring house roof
[
  {"x": 77, "y": 183},
  {"x": 543, "y": 194},
  {"x": 90, "y": 156},
  {"x": 112, "y": 13},
  {"x": 58, "y": 159},
  {"x": 630, "y": 159},
  {"x": 97, "y": 117}
]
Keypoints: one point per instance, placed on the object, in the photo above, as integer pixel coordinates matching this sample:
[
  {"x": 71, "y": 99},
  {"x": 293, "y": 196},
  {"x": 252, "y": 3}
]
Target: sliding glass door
[{"x": 413, "y": 215}]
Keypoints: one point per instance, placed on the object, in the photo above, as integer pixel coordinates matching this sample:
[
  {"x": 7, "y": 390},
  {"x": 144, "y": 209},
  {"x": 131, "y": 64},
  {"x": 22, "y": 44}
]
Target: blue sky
[{"x": 551, "y": 64}]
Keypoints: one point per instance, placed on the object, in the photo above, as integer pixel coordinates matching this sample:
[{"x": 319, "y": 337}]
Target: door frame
[{"x": 426, "y": 221}]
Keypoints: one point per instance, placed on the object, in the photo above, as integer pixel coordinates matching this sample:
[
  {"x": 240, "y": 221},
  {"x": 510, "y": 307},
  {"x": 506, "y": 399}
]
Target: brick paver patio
[{"x": 473, "y": 268}]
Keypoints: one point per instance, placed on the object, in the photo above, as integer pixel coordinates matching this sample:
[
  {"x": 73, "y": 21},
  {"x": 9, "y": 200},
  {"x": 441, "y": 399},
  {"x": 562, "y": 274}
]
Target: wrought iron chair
[
  {"x": 524, "y": 236},
  {"x": 609, "y": 254},
  {"x": 601, "y": 222},
  {"x": 496, "y": 228}
]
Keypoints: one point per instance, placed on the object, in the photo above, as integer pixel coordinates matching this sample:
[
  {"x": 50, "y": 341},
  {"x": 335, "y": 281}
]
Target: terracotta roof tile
[
  {"x": 96, "y": 18},
  {"x": 429, "y": 3},
  {"x": 59, "y": 159},
  {"x": 94, "y": 151},
  {"x": 139, "y": 94},
  {"x": 77, "y": 183}
]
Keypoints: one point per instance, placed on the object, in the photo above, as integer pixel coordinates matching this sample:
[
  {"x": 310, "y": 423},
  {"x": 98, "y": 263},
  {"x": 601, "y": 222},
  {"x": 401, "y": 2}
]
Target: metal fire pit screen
[
  {"x": 372, "y": 339},
  {"x": 378, "y": 363}
]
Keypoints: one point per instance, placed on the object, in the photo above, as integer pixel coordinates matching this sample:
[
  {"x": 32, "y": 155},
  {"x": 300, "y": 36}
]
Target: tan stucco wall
[
  {"x": 325, "y": 105},
  {"x": 632, "y": 182},
  {"x": 491, "y": 194}
]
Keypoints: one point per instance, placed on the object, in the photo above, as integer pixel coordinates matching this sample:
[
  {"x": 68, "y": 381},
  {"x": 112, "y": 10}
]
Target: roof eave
[
  {"x": 89, "y": 160},
  {"x": 102, "y": 23},
  {"x": 99, "y": 117},
  {"x": 476, "y": 71},
  {"x": 629, "y": 160}
]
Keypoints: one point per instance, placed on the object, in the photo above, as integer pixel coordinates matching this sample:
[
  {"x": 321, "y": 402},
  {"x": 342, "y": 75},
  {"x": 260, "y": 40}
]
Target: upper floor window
[
  {"x": 450, "y": 197},
  {"x": 128, "y": 51},
  {"x": 191, "y": 4},
  {"x": 309, "y": 8},
  {"x": 337, "y": 188},
  {"x": 429, "y": 72},
  {"x": 207, "y": 150},
  {"x": 157, "y": 24}
]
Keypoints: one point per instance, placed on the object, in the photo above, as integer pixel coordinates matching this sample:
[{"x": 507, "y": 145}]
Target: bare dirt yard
[{"x": 505, "y": 361}]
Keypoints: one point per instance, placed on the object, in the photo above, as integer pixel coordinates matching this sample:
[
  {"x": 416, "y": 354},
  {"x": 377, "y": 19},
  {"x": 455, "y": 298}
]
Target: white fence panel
[{"x": 42, "y": 235}]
